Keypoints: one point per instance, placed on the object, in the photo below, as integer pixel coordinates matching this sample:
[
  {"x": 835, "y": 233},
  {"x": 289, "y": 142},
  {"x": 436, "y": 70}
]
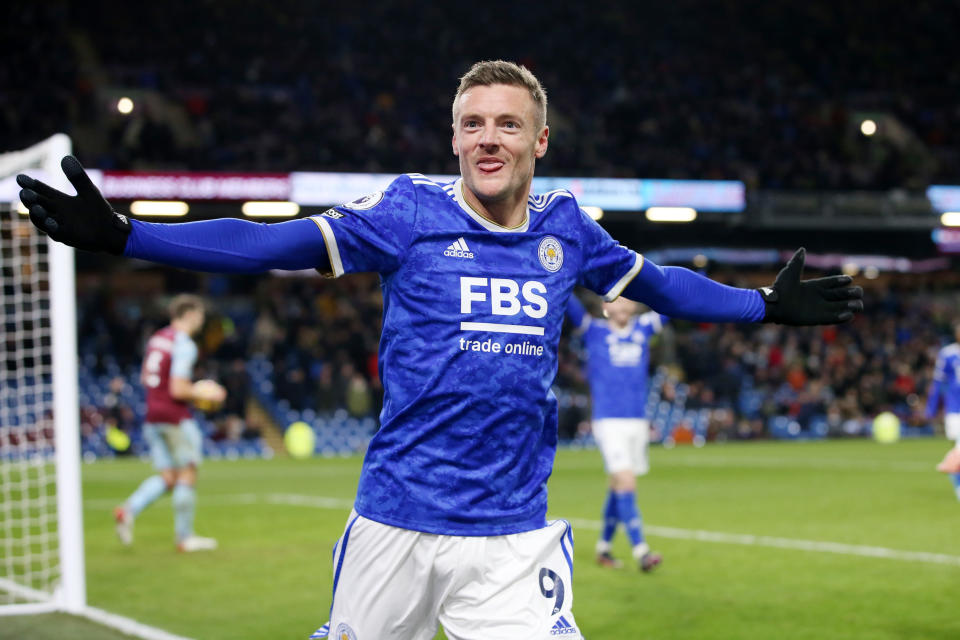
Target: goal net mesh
[{"x": 29, "y": 542}]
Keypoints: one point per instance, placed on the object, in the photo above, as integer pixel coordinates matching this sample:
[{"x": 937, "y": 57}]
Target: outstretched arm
[
  {"x": 681, "y": 293},
  {"x": 229, "y": 245},
  {"x": 87, "y": 221}
]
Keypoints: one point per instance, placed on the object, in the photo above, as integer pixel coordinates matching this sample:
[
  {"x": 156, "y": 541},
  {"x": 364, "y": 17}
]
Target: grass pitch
[{"x": 791, "y": 541}]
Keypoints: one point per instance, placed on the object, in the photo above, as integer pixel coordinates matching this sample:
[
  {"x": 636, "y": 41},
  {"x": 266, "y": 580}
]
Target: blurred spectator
[
  {"x": 115, "y": 410},
  {"x": 237, "y": 383}
]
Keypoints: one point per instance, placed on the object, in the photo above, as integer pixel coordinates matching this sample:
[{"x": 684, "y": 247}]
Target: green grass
[
  {"x": 271, "y": 577},
  {"x": 55, "y": 627}
]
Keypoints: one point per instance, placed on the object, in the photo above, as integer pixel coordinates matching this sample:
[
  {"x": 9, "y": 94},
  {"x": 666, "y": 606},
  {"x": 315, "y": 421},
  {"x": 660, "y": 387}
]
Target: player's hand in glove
[
  {"x": 806, "y": 302},
  {"x": 85, "y": 221}
]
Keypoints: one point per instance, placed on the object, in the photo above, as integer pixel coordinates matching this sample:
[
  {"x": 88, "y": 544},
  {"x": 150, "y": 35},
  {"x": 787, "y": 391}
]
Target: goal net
[{"x": 41, "y": 537}]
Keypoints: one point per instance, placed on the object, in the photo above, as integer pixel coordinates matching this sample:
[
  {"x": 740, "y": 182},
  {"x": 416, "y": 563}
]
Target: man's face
[
  {"x": 497, "y": 137},
  {"x": 194, "y": 319},
  {"x": 620, "y": 311}
]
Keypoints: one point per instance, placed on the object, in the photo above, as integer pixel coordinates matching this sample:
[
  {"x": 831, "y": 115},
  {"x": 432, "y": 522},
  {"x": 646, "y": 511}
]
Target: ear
[
  {"x": 453, "y": 141},
  {"x": 541, "y": 148}
]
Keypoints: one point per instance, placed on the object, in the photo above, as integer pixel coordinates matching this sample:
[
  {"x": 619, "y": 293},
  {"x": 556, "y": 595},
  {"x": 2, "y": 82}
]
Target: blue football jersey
[
  {"x": 618, "y": 361},
  {"x": 946, "y": 380},
  {"x": 468, "y": 352}
]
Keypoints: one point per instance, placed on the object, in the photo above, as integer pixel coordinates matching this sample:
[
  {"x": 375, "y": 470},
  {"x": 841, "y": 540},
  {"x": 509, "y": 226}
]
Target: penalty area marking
[
  {"x": 699, "y": 535},
  {"x": 792, "y": 464},
  {"x": 44, "y": 603},
  {"x": 128, "y": 626},
  {"x": 746, "y": 539}
]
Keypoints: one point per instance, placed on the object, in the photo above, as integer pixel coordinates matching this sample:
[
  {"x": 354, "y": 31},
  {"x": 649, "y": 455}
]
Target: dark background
[{"x": 771, "y": 93}]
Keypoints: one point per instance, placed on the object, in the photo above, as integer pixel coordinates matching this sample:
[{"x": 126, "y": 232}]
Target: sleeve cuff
[
  {"x": 330, "y": 240},
  {"x": 622, "y": 283}
]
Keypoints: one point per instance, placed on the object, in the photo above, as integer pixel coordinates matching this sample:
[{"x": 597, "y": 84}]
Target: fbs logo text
[{"x": 504, "y": 297}]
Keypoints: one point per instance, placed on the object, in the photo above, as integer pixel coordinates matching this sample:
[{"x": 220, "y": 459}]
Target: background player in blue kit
[
  {"x": 945, "y": 388},
  {"x": 449, "y": 524},
  {"x": 618, "y": 359}
]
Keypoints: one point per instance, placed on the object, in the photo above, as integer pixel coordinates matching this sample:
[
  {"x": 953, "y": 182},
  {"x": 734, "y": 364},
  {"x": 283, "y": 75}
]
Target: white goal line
[
  {"x": 699, "y": 535},
  {"x": 820, "y": 546}
]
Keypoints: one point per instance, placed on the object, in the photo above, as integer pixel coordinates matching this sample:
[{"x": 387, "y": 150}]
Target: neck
[{"x": 509, "y": 213}]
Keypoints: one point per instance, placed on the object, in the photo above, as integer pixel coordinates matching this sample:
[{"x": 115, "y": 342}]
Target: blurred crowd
[
  {"x": 112, "y": 334},
  {"x": 845, "y": 375},
  {"x": 770, "y": 93},
  {"x": 321, "y": 336}
]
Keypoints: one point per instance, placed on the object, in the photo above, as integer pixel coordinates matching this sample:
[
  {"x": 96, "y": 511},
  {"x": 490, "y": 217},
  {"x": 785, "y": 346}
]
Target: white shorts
[
  {"x": 951, "y": 425},
  {"x": 397, "y": 584},
  {"x": 623, "y": 443}
]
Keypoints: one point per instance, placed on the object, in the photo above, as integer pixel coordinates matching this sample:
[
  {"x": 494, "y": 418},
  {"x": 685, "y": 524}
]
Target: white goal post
[{"x": 41, "y": 521}]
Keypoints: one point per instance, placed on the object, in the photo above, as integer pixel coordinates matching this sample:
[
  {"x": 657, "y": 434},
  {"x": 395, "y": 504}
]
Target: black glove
[
  {"x": 85, "y": 221},
  {"x": 804, "y": 302}
]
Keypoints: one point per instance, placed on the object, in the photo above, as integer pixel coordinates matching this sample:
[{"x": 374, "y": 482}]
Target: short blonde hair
[
  {"x": 184, "y": 303},
  {"x": 489, "y": 72}
]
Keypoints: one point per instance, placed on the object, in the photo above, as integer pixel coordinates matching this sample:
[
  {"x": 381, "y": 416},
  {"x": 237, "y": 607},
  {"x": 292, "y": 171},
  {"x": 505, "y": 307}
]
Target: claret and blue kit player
[
  {"x": 175, "y": 440},
  {"x": 449, "y": 525}
]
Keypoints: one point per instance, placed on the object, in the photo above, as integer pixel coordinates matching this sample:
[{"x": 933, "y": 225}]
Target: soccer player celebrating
[
  {"x": 449, "y": 523},
  {"x": 173, "y": 435},
  {"x": 945, "y": 388},
  {"x": 618, "y": 357}
]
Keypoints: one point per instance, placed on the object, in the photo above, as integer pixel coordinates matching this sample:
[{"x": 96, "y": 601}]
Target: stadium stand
[
  {"x": 673, "y": 108},
  {"x": 105, "y": 398},
  {"x": 307, "y": 350},
  {"x": 230, "y": 99}
]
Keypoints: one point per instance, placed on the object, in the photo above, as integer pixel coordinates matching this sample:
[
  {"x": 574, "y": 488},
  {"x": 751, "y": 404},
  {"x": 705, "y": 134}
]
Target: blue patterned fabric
[
  {"x": 618, "y": 361},
  {"x": 472, "y": 319},
  {"x": 946, "y": 381}
]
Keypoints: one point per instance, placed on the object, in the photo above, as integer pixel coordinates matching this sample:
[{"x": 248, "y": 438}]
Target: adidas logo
[
  {"x": 563, "y": 628},
  {"x": 458, "y": 249}
]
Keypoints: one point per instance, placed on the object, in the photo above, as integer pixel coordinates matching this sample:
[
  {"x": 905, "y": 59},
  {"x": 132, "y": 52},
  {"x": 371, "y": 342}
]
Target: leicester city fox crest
[{"x": 551, "y": 254}]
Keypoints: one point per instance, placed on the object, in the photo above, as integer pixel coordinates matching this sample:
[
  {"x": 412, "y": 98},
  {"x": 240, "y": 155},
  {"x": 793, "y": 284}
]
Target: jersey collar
[
  {"x": 624, "y": 331},
  {"x": 487, "y": 224}
]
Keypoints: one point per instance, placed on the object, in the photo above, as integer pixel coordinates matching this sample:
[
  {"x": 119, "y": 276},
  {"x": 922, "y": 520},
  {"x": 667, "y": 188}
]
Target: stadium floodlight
[
  {"x": 594, "y": 212},
  {"x": 950, "y": 219},
  {"x": 159, "y": 208},
  {"x": 254, "y": 209},
  {"x": 125, "y": 105},
  {"x": 868, "y": 127},
  {"x": 671, "y": 214}
]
